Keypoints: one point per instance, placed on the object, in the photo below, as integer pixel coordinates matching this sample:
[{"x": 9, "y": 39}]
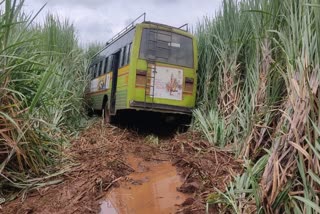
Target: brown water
[{"x": 151, "y": 189}]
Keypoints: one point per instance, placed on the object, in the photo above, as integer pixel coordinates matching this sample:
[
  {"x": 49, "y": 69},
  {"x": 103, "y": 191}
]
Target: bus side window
[
  {"x": 110, "y": 58},
  {"x": 124, "y": 56},
  {"x": 127, "y": 55},
  {"x": 100, "y": 68},
  {"x": 121, "y": 57},
  {"x": 105, "y": 65},
  {"x": 94, "y": 71}
]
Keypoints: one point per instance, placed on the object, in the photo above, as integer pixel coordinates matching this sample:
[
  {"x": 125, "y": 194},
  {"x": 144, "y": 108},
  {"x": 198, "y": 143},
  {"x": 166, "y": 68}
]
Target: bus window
[
  {"x": 109, "y": 63},
  {"x": 127, "y": 54},
  {"x": 95, "y": 71},
  {"x": 122, "y": 57},
  {"x": 171, "y": 48},
  {"x": 100, "y": 68},
  {"x": 105, "y": 65}
]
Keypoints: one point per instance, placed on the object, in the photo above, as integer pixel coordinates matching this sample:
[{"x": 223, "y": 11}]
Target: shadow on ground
[{"x": 152, "y": 123}]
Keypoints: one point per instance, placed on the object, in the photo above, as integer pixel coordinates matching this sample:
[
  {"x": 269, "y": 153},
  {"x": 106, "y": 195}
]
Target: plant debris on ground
[{"x": 99, "y": 161}]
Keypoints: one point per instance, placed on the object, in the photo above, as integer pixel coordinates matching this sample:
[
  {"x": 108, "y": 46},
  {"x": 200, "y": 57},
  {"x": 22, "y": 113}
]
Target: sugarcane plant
[
  {"x": 259, "y": 65},
  {"x": 42, "y": 81}
]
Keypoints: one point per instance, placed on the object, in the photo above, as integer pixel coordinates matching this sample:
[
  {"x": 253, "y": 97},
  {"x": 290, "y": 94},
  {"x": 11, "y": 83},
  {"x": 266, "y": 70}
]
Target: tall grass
[
  {"x": 259, "y": 65},
  {"x": 42, "y": 81}
]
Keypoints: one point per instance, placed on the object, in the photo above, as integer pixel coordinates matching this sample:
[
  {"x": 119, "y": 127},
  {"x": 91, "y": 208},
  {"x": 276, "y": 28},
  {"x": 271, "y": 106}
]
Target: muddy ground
[{"x": 100, "y": 164}]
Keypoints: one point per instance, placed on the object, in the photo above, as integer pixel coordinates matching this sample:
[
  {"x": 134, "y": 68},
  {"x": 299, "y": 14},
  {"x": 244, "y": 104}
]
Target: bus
[{"x": 146, "y": 67}]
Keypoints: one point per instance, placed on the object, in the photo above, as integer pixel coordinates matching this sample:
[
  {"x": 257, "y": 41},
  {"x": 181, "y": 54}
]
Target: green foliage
[
  {"x": 211, "y": 125},
  {"x": 245, "y": 190},
  {"x": 259, "y": 89},
  {"x": 42, "y": 82},
  {"x": 152, "y": 139},
  {"x": 92, "y": 49}
]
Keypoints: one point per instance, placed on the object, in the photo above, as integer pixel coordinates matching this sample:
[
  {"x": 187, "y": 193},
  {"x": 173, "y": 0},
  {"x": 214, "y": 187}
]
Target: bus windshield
[{"x": 166, "y": 47}]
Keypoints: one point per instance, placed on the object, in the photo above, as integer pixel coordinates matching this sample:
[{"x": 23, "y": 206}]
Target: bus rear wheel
[{"x": 106, "y": 114}]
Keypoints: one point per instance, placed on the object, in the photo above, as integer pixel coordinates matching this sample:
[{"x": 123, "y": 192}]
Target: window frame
[
  {"x": 110, "y": 62},
  {"x": 127, "y": 54},
  {"x": 121, "y": 57},
  {"x": 144, "y": 43},
  {"x": 100, "y": 68},
  {"x": 106, "y": 60},
  {"x": 95, "y": 71}
]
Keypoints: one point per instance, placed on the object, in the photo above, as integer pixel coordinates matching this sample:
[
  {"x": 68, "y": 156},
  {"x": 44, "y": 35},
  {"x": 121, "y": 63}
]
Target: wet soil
[
  {"x": 152, "y": 188},
  {"x": 115, "y": 170}
]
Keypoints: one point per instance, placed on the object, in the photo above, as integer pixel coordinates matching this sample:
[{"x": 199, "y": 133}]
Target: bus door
[{"x": 115, "y": 67}]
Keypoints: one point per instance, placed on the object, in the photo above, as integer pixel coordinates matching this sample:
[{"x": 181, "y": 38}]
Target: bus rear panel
[{"x": 165, "y": 70}]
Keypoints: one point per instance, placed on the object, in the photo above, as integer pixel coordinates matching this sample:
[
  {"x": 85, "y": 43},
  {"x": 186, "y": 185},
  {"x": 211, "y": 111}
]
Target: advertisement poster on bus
[
  {"x": 168, "y": 83},
  {"x": 100, "y": 83}
]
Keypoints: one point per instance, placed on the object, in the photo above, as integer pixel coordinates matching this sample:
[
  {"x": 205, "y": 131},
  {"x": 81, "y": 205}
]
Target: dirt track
[{"x": 100, "y": 164}]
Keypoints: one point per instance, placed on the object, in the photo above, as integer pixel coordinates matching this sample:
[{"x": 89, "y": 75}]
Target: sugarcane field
[{"x": 119, "y": 107}]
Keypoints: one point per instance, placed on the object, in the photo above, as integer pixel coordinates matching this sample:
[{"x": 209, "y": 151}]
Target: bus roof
[
  {"x": 132, "y": 25},
  {"x": 167, "y": 26}
]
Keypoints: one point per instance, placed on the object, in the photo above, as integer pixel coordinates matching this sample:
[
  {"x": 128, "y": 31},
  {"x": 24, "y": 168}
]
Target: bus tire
[
  {"x": 106, "y": 114},
  {"x": 105, "y": 110}
]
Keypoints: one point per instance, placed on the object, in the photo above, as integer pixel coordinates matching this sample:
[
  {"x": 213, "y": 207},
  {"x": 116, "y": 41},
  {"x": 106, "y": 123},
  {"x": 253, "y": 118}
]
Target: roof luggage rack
[
  {"x": 126, "y": 29},
  {"x": 134, "y": 22},
  {"x": 186, "y": 26},
  {"x": 168, "y": 26}
]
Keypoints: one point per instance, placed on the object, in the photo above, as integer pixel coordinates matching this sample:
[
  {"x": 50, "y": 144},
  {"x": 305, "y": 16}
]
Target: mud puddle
[
  {"x": 150, "y": 189},
  {"x": 101, "y": 169}
]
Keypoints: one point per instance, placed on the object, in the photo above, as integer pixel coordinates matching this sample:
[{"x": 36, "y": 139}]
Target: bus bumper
[{"x": 161, "y": 107}]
